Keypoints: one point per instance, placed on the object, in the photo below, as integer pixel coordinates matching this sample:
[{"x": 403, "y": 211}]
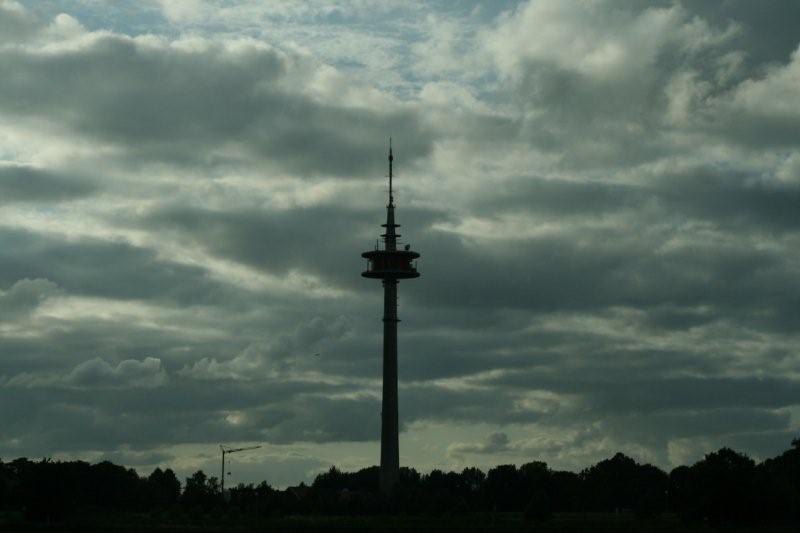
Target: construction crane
[{"x": 225, "y": 450}]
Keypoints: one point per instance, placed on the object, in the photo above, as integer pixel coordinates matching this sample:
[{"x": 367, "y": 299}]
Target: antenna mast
[{"x": 391, "y": 158}]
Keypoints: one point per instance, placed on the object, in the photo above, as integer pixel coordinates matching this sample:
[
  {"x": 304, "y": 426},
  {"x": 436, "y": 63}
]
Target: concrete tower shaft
[
  {"x": 390, "y": 432},
  {"x": 390, "y": 265}
]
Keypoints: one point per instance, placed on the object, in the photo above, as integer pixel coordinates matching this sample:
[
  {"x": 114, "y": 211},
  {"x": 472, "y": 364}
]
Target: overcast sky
[{"x": 605, "y": 194}]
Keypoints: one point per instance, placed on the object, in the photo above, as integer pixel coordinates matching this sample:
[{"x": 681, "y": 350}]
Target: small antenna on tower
[{"x": 391, "y": 158}]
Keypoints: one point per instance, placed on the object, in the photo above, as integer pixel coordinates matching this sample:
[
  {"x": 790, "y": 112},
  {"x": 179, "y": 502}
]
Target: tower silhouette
[{"x": 390, "y": 265}]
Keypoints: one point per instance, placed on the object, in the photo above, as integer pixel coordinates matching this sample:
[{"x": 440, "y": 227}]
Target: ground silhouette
[{"x": 724, "y": 488}]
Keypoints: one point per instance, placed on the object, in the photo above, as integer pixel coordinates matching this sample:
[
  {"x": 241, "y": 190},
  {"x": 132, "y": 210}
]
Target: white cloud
[
  {"x": 96, "y": 374},
  {"x": 590, "y": 37},
  {"x": 183, "y": 11},
  {"x": 273, "y": 358},
  {"x": 775, "y": 96},
  {"x": 129, "y": 373}
]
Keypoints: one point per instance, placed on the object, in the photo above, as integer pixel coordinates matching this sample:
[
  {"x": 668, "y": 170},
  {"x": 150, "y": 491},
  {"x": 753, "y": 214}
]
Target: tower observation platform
[{"x": 390, "y": 265}]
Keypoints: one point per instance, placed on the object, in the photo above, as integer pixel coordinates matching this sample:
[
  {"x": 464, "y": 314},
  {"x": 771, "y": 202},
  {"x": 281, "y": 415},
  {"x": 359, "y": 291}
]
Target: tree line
[{"x": 724, "y": 487}]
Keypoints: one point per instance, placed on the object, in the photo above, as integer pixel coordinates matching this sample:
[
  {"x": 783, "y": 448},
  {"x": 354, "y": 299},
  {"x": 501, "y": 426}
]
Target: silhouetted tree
[
  {"x": 201, "y": 491},
  {"x": 778, "y": 485},
  {"x": 620, "y": 483},
  {"x": 49, "y": 491},
  {"x": 724, "y": 487},
  {"x": 503, "y": 488},
  {"x": 472, "y": 479},
  {"x": 566, "y": 491},
  {"x": 719, "y": 488},
  {"x": 113, "y": 487},
  {"x": 608, "y": 484},
  {"x": 539, "y": 508},
  {"x": 534, "y": 478},
  {"x": 5, "y": 489},
  {"x": 333, "y": 479},
  {"x": 163, "y": 488}
]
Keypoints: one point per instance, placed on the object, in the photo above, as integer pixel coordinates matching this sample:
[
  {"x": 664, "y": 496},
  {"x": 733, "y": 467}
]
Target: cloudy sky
[{"x": 605, "y": 194}]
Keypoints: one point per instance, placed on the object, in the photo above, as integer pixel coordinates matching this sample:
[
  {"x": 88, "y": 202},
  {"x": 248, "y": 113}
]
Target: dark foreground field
[{"x": 559, "y": 523}]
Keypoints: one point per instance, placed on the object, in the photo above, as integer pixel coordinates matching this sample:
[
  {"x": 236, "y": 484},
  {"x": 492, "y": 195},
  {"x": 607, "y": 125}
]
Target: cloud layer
[{"x": 604, "y": 195}]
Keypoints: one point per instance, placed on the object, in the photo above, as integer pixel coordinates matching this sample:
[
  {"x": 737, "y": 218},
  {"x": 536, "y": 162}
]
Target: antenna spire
[{"x": 391, "y": 158}]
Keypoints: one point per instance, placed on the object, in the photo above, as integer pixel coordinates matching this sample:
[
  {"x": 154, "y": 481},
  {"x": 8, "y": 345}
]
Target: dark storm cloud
[
  {"x": 426, "y": 402},
  {"x": 722, "y": 196},
  {"x": 561, "y": 198},
  {"x": 652, "y": 414},
  {"x": 495, "y": 443},
  {"x": 661, "y": 267},
  {"x": 679, "y": 404},
  {"x": 728, "y": 280},
  {"x": 24, "y": 296},
  {"x": 731, "y": 198},
  {"x": 429, "y": 356},
  {"x": 89, "y": 418},
  {"x": 759, "y": 120},
  {"x": 98, "y": 267},
  {"x": 544, "y": 274},
  {"x": 696, "y": 393},
  {"x": 84, "y": 412},
  {"x": 584, "y": 269},
  {"x": 206, "y": 106},
  {"x": 138, "y": 459},
  {"x": 768, "y": 34},
  {"x": 765, "y": 31},
  {"x": 273, "y": 240},
  {"x": 663, "y": 427},
  {"x": 593, "y": 118},
  {"x": 598, "y": 268},
  {"x": 281, "y": 240},
  {"x": 68, "y": 342},
  {"x": 31, "y": 185},
  {"x": 763, "y": 443},
  {"x": 320, "y": 419}
]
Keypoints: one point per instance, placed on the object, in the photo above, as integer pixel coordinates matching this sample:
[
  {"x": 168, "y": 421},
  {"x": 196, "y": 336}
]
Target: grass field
[{"x": 561, "y": 523}]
